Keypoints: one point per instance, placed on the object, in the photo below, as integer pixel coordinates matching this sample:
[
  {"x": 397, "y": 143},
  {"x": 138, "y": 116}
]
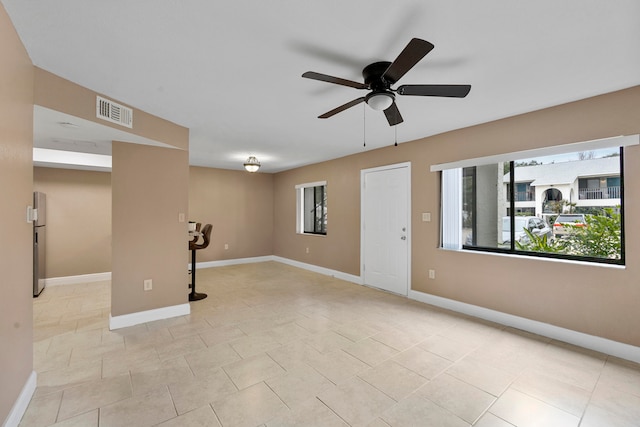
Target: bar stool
[
  {"x": 195, "y": 235},
  {"x": 193, "y": 247}
]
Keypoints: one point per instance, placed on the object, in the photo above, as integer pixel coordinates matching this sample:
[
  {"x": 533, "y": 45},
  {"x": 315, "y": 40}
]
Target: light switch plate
[
  {"x": 31, "y": 214},
  {"x": 426, "y": 216}
]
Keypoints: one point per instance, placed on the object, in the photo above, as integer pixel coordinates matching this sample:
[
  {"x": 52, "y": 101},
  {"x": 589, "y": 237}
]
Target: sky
[{"x": 571, "y": 157}]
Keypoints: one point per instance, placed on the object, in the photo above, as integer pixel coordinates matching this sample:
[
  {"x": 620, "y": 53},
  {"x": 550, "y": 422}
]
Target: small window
[{"x": 312, "y": 208}]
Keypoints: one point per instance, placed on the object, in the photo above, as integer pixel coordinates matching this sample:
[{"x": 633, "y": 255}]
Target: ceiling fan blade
[
  {"x": 415, "y": 50},
  {"x": 393, "y": 115},
  {"x": 451, "y": 91},
  {"x": 336, "y": 80},
  {"x": 341, "y": 108}
]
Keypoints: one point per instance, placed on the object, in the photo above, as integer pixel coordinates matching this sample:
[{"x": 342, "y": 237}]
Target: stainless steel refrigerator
[{"x": 39, "y": 239}]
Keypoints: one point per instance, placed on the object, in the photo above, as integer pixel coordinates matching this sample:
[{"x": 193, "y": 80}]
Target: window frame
[
  {"x": 300, "y": 208},
  {"x": 513, "y": 250},
  {"x": 618, "y": 142}
]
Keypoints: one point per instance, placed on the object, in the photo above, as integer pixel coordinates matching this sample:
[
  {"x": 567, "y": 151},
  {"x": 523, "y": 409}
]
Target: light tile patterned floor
[{"x": 274, "y": 346}]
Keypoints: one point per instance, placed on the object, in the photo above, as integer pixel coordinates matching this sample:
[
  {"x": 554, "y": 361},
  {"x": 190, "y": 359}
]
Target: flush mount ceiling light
[{"x": 252, "y": 164}]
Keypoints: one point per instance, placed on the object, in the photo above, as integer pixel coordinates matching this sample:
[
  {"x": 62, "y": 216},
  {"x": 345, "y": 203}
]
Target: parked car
[
  {"x": 535, "y": 225},
  {"x": 576, "y": 220}
]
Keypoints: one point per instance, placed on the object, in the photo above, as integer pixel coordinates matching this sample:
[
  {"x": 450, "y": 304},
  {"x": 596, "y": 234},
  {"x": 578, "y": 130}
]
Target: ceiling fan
[{"x": 380, "y": 76}]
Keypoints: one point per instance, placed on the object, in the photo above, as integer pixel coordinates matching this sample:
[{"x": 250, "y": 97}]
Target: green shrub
[{"x": 600, "y": 238}]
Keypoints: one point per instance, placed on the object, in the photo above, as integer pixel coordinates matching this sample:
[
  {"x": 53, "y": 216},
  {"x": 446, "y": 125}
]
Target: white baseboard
[
  {"x": 322, "y": 270},
  {"x": 603, "y": 345},
  {"x": 132, "y": 319},
  {"x": 20, "y": 406},
  {"x": 74, "y": 280},
  {"x": 225, "y": 262}
]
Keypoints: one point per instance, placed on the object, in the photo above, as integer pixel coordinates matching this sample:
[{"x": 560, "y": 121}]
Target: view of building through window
[
  {"x": 567, "y": 205},
  {"x": 311, "y": 208},
  {"x": 315, "y": 209}
]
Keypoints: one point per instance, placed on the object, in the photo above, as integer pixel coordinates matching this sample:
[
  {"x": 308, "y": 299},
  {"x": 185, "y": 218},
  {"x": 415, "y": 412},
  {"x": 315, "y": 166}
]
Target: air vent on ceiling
[{"x": 114, "y": 112}]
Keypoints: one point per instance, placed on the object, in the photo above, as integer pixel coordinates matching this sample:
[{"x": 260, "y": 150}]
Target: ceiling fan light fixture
[
  {"x": 380, "y": 101},
  {"x": 252, "y": 164}
]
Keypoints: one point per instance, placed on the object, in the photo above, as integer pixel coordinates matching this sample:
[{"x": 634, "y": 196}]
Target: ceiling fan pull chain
[
  {"x": 395, "y": 129},
  {"x": 364, "y": 126}
]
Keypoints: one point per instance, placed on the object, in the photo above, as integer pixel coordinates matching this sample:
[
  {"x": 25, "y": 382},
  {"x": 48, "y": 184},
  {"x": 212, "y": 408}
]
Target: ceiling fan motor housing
[{"x": 372, "y": 74}]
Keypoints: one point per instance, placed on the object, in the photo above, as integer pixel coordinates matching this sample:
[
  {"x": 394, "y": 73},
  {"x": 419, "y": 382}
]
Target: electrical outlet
[
  {"x": 226, "y": 246},
  {"x": 432, "y": 274},
  {"x": 148, "y": 284},
  {"x": 307, "y": 250}
]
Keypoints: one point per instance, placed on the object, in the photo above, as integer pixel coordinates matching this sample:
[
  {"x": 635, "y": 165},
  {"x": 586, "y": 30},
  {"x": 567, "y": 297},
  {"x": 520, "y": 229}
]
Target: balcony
[
  {"x": 523, "y": 196},
  {"x": 599, "y": 193}
]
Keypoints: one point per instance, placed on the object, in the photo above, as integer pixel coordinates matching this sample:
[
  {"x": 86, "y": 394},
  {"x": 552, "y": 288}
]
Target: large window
[
  {"x": 566, "y": 205},
  {"x": 312, "y": 208}
]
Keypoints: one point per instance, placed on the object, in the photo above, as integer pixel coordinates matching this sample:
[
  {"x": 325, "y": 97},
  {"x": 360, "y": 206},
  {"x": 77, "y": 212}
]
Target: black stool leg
[{"x": 194, "y": 296}]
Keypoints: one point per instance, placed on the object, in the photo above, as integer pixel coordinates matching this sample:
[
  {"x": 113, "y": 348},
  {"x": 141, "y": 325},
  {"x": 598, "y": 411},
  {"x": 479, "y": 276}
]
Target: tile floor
[{"x": 278, "y": 346}]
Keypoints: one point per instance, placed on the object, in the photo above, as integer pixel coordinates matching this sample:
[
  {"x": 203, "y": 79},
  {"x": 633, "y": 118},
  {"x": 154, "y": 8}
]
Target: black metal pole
[{"x": 194, "y": 296}]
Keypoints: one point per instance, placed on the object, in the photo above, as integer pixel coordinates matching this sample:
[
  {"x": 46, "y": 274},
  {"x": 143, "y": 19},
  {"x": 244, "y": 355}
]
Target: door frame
[{"x": 363, "y": 173}]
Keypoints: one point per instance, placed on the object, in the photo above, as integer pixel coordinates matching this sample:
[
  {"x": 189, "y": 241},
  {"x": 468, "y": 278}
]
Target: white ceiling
[{"x": 230, "y": 71}]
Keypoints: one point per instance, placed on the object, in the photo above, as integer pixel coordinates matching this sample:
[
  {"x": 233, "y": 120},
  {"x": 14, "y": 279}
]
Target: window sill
[{"x": 539, "y": 258}]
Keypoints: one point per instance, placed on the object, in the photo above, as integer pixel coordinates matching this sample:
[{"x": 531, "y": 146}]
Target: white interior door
[{"x": 386, "y": 227}]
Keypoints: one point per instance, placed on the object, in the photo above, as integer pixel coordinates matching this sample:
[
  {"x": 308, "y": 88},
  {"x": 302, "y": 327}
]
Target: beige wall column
[
  {"x": 16, "y": 234},
  {"x": 150, "y": 188}
]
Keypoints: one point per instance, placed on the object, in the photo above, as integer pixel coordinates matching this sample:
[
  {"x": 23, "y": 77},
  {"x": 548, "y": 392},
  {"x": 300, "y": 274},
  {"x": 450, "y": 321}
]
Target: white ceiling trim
[{"x": 44, "y": 157}]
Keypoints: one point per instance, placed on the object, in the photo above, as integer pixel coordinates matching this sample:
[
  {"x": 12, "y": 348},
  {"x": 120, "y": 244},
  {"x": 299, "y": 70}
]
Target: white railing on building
[{"x": 599, "y": 193}]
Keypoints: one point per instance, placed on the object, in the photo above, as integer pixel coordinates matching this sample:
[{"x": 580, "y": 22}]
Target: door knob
[{"x": 403, "y": 238}]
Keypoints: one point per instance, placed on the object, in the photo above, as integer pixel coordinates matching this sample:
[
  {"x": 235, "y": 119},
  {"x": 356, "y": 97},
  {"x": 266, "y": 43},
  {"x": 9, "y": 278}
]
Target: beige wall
[
  {"x": 593, "y": 299},
  {"x": 239, "y": 205},
  {"x": 16, "y": 235},
  {"x": 78, "y": 220},
  {"x": 149, "y": 191},
  {"x": 340, "y": 248}
]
